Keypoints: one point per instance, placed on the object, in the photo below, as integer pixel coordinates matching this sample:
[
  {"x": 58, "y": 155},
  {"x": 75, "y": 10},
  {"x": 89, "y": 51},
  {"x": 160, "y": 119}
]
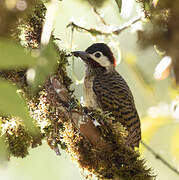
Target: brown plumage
[{"x": 105, "y": 88}]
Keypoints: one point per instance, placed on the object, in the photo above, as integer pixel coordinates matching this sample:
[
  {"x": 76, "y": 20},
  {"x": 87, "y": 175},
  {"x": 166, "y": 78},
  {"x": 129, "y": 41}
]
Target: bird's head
[{"x": 97, "y": 55}]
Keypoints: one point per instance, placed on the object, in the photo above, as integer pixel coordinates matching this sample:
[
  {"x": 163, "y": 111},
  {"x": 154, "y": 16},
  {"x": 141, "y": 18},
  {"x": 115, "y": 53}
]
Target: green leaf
[
  {"x": 119, "y": 4},
  {"x": 11, "y": 103},
  {"x": 13, "y": 55},
  {"x": 46, "y": 64}
]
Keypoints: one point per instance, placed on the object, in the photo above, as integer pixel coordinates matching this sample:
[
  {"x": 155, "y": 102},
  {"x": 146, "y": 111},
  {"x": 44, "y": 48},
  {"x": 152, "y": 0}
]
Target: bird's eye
[{"x": 97, "y": 55}]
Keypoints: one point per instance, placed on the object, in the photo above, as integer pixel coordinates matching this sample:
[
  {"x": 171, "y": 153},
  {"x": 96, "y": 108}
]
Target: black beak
[{"x": 82, "y": 54}]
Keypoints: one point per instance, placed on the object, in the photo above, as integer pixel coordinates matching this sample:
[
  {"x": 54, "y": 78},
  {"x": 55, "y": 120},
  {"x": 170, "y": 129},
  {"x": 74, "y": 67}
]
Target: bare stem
[
  {"x": 90, "y": 30},
  {"x": 127, "y": 25},
  {"x": 157, "y": 156},
  {"x": 95, "y": 32},
  {"x": 98, "y": 14}
]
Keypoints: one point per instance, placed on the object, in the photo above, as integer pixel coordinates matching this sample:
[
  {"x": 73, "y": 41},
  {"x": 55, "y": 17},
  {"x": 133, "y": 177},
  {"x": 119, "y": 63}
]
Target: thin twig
[
  {"x": 100, "y": 17},
  {"x": 157, "y": 156},
  {"x": 96, "y": 32},
  {"x": 98, "y": 14},
  {"x": 91, "y": 30},
  {"x": 127, "y": 25}
]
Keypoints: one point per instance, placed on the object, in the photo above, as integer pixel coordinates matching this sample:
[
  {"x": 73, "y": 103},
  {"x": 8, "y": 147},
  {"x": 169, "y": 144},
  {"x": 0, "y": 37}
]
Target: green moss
[
  {"x": 17, "y": 140},
  {"x": 16, "y": 137},
  {"x": 30, "y": 27},
  {"x": 117, "y": 161}
]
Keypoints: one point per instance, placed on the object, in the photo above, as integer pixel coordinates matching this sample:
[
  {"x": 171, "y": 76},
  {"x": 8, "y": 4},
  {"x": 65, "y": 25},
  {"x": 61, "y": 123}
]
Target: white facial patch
[{"x": 100, "y": 58}]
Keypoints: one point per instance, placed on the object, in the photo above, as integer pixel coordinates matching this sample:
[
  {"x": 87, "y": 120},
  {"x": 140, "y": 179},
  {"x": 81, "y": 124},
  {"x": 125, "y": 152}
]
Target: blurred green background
[{"x": 154, "y": 98}]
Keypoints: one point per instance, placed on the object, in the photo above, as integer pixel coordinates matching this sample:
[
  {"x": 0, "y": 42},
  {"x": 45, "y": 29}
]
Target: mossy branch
[{"x": 101, "y": 149}]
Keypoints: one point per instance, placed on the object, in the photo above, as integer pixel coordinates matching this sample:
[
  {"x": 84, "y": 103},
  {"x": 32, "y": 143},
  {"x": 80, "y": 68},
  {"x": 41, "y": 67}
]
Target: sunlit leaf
[
  {"x": 11, "y": 103},
  {"x": 119, "y": 4},
  {"x": 175, "y": 143},
  {"x": 13, "y": 55}
]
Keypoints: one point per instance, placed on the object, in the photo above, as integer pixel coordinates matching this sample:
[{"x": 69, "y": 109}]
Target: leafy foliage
[{"x": 119, "y": 4}]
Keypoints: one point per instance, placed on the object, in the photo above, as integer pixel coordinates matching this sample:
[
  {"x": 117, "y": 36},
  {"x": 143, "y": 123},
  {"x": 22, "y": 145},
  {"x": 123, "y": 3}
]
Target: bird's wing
[{"x": 114, "y": 95}]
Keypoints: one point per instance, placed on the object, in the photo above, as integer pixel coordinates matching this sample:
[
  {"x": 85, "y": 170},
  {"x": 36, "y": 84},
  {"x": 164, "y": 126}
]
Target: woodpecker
[{"x": 106, "y": 89}]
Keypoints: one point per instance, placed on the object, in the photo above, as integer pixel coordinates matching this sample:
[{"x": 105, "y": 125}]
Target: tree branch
[
  {"x": 96, "y": 32},
  {"x": 82, "y": 121},
  {"x": 101, "y": 149},
  {"x": 97, "y": 13}
]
